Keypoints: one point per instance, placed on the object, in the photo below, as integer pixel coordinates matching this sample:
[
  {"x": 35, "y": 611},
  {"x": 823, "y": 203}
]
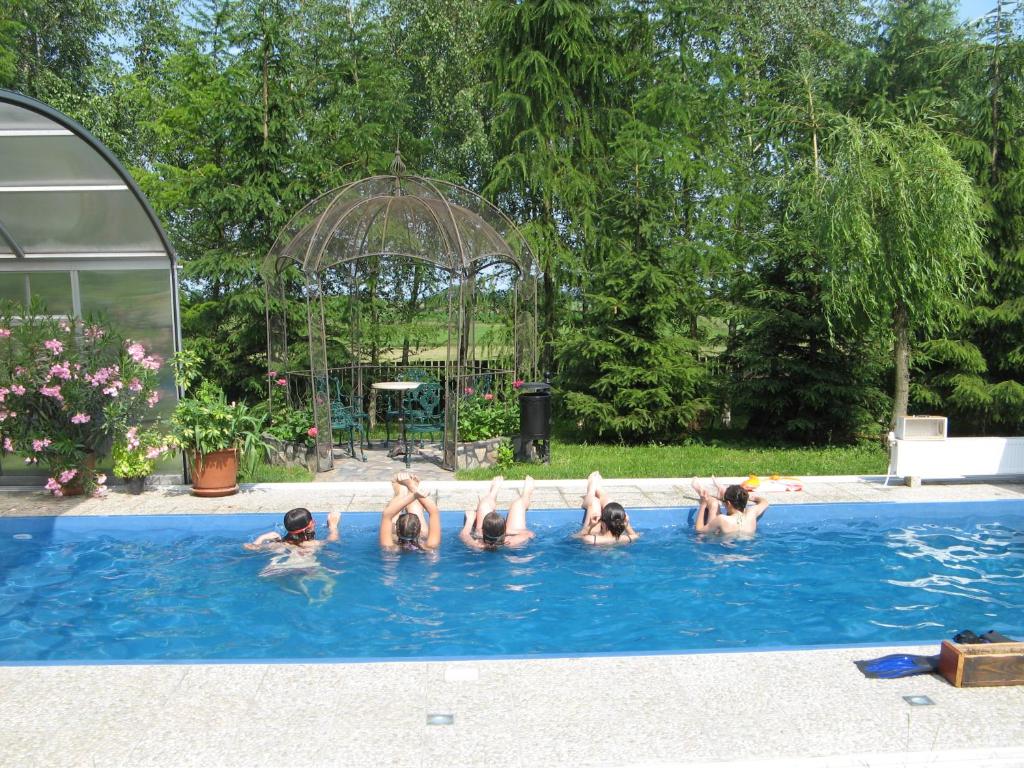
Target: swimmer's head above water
[
  {"x": 299, "y": 525},
  {"x": 614, "y": 518},
  {"x": 492, "y": 530},
  {"x": 736, "y": 496},
  {"x": 407, "y": 529}
]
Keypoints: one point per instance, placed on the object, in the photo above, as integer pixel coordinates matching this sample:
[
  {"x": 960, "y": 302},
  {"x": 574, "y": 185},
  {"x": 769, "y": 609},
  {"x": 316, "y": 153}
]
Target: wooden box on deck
[{"x": 966, "y": 666}]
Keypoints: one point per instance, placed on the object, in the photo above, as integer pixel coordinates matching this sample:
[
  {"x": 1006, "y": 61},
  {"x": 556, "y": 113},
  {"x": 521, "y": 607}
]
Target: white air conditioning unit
[{"x": 921, "y": 428}]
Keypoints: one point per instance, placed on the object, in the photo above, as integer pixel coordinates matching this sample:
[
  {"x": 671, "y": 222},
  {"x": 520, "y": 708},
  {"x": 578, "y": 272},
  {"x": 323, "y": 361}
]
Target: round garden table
[{"x": 401, "y": 387}]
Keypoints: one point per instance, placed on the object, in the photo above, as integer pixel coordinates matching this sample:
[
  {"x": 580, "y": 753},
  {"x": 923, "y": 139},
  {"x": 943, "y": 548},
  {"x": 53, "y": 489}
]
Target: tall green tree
[
  {"x": 548, "y": 68},
  {"x": 899, "y": 220}
]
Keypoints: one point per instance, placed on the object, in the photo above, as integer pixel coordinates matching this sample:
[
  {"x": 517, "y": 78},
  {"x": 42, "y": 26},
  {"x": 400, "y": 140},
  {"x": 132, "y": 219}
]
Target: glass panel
[
  {"x": 12, "y": 286},
  {"x": 78, "y": 222},
  {"x": 53, "y": 288},
  {"x": 17, "y": 118},
  {"x": 48, "y": 160},
  {"x": 137, "y": 304}
]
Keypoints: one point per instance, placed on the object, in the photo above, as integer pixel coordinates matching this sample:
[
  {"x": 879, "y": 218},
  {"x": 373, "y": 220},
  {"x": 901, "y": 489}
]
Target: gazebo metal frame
[{"x": 345, "y": 235}]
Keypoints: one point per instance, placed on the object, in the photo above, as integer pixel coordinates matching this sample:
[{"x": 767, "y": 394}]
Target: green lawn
[{"x": 577, "y": 460}]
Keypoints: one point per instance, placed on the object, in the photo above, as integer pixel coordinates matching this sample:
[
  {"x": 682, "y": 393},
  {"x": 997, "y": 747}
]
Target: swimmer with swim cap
[{"x": 300, "y": 531}]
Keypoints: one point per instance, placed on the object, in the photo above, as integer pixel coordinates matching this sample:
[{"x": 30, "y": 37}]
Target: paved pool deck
[{"x": 798, "y": 708}]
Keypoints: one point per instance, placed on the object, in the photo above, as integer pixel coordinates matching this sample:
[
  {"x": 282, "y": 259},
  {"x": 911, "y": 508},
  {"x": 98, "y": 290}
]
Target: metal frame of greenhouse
[{"x": 76, "y": 231}]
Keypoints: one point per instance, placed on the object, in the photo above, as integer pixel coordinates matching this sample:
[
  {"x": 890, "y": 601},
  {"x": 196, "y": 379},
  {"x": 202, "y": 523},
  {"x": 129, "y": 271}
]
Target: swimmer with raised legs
[
  {"x": 737, "y": 518},
  {"x": 402, "y": 523},
  {"x": 493, "y": 530},
  {"x": 604, "y": 520}
]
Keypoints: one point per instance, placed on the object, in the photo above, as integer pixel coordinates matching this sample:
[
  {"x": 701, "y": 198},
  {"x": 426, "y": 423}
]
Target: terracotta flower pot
[
  {"x": 215, "y": 474},
  {"x": 77, "y": 486}
]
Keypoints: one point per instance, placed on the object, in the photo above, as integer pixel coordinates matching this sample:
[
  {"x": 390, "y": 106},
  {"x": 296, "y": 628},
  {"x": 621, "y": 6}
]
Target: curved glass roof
[{"x": 64, "y": 195}]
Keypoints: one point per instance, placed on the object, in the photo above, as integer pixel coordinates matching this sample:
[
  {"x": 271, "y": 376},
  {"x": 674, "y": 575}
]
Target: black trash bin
[{"x": 535, "y": 422}]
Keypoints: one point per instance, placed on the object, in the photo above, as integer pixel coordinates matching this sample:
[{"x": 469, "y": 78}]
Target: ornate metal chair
[{"x": 425, "y": 415}]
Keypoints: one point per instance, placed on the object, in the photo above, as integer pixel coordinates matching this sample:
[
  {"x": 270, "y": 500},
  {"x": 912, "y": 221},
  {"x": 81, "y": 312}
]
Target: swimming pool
[{"x": 180, "y": 588}]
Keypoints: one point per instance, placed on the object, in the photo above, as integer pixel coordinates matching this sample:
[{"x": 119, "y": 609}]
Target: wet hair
[
  {"x": 614, "y": 518},
  {"x": 492, "y": 529},
  {"x": 407, "y": 528},
  {"x": 737, "y": 496},
  {"x": 296, "y": 521}
]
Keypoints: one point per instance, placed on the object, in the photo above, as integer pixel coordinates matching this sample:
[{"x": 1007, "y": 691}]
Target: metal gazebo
[{"x": 417, "y": 247}]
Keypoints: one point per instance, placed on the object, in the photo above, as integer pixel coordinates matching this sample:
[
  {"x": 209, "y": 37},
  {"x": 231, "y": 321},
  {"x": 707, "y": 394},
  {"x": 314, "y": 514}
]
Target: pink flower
[
  {"x": 112, "y": 391},
  {"x": 517, "y": 384},
  {"x": 58, "y": 492},
  {"x": 135, "y": 385},
  {"x": 8, "y": 445},
  {"x": 5, "y": 333},
  {"x": 282, "y": 382},
  {"x": 52, "y": 485},
  {"x": 468, "y": 390},
  {"x": 101, "y": 479},
  {"x": 132, "y": 437},
  {"x": 4, "y": 391},
  {"x": 153, "y": 399},
  {"x": 81, "y": 418},
  {"x": 94, "y": 332},
  {"x": 4, "y": 415},
  {"x": 488, "y": 396},
  {"x": 99, "y": 492},
  {"x": 271, "y": 374},
  {"x": 61, "y": 371},
  {"x": 154, "y": 453},
  {"x": 53, "y": 392},
  {"x": 312, "y": 431},
  {"x": 38, "y": 445},
  {"x": 150, "y": 363},
  {"x": 65, "y": 326},
  {"x": 17, "y": 389},
  {"x": 136, "y": 352},
  {"x": 67, "y": 476},
  {"x": 54, "y": 346}
]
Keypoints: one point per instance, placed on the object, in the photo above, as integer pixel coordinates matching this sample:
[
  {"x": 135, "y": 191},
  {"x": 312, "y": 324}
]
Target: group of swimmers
[{"x": 412, "y": 521}]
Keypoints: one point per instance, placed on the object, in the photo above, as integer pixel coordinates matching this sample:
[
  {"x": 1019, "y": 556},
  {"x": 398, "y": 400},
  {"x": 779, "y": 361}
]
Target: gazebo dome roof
[{"x": 397, "y": 214}]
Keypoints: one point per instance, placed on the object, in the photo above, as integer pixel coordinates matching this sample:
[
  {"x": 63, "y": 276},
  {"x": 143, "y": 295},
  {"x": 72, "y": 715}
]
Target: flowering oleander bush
[
  {"x": 68, "y": 388},
  {"x": 486, "y": 415}
]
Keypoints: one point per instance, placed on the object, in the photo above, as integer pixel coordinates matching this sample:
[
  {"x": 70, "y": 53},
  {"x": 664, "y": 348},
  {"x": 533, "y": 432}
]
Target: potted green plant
[
  {"x": 211, "y": 432},
  {"x": 135, "y": 456}
]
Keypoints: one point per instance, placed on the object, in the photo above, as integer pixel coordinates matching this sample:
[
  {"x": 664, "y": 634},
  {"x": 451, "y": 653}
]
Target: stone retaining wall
[
  {"x": 482, "y": 453},
  {"x": 284, "y": 454}
]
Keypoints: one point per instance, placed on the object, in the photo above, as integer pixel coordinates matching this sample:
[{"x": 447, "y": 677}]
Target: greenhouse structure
[{"x": 77, "y": 233}]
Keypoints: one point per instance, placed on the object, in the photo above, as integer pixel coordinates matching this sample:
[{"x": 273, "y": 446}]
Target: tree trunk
[{"x": 901, "y": 363}]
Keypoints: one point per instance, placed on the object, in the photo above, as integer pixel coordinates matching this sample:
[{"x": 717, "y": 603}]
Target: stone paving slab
[
  {"x": 370, "y": 496},
  {"x": 806, "y": 708}
]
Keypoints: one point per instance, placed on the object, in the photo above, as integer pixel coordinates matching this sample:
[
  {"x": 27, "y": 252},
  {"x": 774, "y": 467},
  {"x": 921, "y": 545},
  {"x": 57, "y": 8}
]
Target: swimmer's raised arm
[
  {"x": 466, "y": 534},
  {"x": 629, "y": 529},
  {"x": 398, "y": 502},
  {"x": 434, "y": 524},
  {"x": 760, "y": 505},
  {"x": 263, "y": 538}
]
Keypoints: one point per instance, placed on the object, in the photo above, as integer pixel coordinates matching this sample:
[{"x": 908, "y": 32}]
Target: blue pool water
[{"x": 182, "y": 588}]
